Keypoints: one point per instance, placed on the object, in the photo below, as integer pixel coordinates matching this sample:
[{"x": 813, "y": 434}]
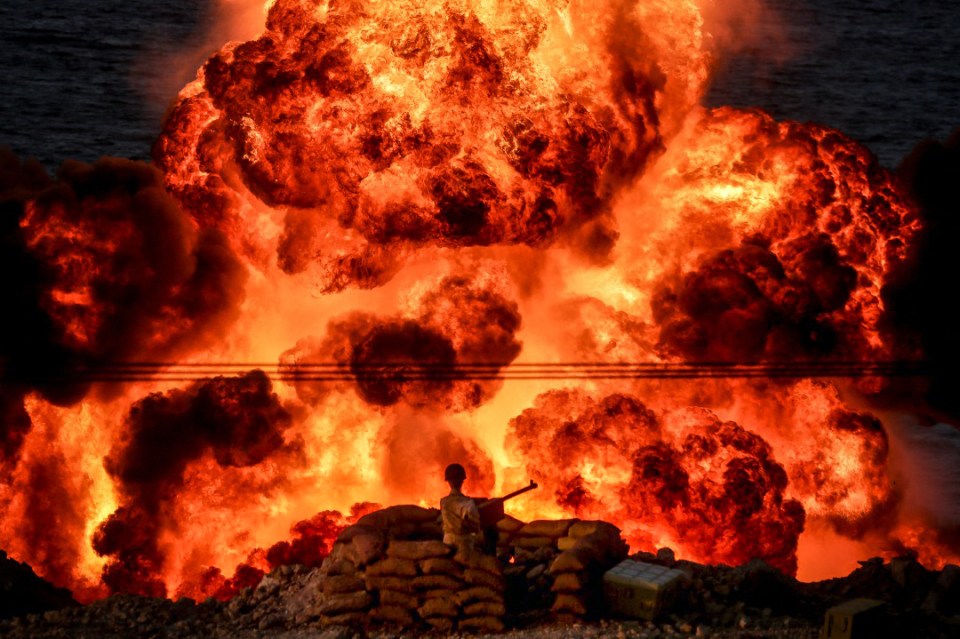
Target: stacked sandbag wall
[
  {"x": 531, "y": 548},
  {"x": 425, "y": 581},
  {"x": 559, "y": 564},
  {"x": 360, "y": 555},
  {"x": 482, "y": 597},
  {"x": 392, "y": 568},
  {"x": 588, "y": 550}
]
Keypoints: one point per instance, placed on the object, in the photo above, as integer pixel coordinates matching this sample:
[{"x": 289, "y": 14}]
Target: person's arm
[{"x": 472, "y": 515}]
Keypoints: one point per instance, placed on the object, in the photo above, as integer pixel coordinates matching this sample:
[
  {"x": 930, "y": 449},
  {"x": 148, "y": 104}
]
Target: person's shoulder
[{"x": 450, "y": 499}]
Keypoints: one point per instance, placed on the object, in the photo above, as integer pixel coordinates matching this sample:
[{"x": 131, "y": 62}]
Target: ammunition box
[
  {"x": 855, "y": 619},
  {"x": 640, "y": 590}
]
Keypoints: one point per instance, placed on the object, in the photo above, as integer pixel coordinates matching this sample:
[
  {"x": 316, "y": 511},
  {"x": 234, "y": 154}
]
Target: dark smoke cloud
[
  {"x": 714, "y": 484},
  {"x": 31, "y": 342},
  {"x": 748, "y": 303},
  {"x": 239, "y": 421},
  {"x": 918, "y": 297},
  {"x": 15, "y": 423},
  {"x": 459, "y": 322},
  {"x": 101, "y": 266},
  {"x": 399, "y": 343}
]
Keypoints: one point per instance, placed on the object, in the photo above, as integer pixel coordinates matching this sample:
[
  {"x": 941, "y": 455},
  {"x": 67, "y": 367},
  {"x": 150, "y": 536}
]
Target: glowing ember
[{"x": 386, "y": 207}]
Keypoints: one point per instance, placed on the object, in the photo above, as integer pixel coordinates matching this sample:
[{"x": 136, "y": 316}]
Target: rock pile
[{"x": 23, "y": 592}]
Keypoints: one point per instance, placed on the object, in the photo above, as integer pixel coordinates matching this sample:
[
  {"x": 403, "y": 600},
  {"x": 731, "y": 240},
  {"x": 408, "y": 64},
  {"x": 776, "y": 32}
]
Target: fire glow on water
[{"x": 462, "y": 186}]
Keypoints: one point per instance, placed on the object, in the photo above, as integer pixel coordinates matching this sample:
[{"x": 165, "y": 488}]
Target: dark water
[
  {"x": 86, "y": 78},
  {"x": 886, "y": 72}
]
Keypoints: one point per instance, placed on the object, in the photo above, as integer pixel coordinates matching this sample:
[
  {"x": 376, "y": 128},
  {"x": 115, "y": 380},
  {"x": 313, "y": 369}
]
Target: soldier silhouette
[{"x": 459, "y": 513}]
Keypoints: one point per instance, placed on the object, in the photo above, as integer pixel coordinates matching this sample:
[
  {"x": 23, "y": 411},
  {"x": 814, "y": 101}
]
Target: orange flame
[{"x": 443, "y": 186}]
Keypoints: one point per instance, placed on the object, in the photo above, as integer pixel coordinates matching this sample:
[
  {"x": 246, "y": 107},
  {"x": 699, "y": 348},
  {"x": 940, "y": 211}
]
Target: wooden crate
[{"x": 640, "y": 590}]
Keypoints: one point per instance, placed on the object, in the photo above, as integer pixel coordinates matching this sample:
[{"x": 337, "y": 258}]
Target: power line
[{"x": 330, "y": 372}]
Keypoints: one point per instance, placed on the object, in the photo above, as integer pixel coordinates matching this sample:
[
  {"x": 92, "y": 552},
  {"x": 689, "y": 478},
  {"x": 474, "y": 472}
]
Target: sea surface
[{"x": 87, "y": 78}]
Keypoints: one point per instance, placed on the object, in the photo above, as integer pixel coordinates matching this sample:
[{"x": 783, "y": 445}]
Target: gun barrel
[{"x": 491, "y": 510}]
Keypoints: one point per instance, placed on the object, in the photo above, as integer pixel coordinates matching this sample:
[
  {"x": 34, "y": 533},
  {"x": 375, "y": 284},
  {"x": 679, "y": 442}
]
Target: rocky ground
[{"x": 750, "y": 601}]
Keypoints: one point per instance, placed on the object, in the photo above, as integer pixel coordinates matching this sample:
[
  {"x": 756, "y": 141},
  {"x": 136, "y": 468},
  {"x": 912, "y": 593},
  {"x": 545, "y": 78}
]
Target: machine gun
[{"x": 491, "y": 510}]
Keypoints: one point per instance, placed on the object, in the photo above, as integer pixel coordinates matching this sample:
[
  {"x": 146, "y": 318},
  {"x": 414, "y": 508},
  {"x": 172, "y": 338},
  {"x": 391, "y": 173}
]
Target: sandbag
[
  {"x": 345, "y": 619},
  {"x": 575, "y": 560},
  {"x": 418, "y": 550},
  {"x": 569, "y": 582},
  {"x": 567, "y": 619},
  {"x": 397, "y": 515},
  {"x": 603, "y": 548},
  {"x": 480, "y": 561},
  {"x": 341, "y": 584},
  {"x": 584, "y": 528},
  {"x": 410, "y": 531},
  {"x": 399, "y": 584},
  {"x": 439, "y": 608},
  {"x": 337, "y": 563},
  {"x": 347, "y": 534},
  {"x": 436, "y": 582},
  {"x": 485, "y": 609},
  {"x": 443, "y": 624},
  {"x": 477, "y": 593},
  {"x": 566, "y": 543},
  {"x": 401, "y": 599},
  {"x": 393, "y": 567},
  {"x": 488, "y": 624},
  {"x": 570, "y": 604},
  {"x": 441, "y": 566},
  {"x": 534, "y": 543},
  {"x": 554, "y": 528},
  {"x": 480, "y": 578},
  {"x": 509, "y": 524},
  {"x": 522, "y": 556},
  {"x": 439, "y": 593},
  {"x": 393, "y": 615},
  {"x": 365, "y": 549},
  {"x": 352, "y": 602},
  {"x": 431, "y": 530}
]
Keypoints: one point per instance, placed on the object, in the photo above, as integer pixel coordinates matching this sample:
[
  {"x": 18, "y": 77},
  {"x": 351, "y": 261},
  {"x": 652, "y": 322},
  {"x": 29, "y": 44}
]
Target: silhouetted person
[{"x": 461, "y": 519}]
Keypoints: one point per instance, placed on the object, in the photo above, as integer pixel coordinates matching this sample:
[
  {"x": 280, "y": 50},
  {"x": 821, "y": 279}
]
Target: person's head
[{"x": 455, "y": 475}]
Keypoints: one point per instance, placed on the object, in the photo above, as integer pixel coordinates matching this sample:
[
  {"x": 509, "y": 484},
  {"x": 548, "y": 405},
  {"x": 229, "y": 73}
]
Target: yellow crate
[
  {"x": 640, "y": 590},
  {"x": 854, "y": 619}
]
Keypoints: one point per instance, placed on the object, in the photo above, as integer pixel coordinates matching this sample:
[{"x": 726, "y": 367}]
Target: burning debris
[{"x": 360, "y": 223}]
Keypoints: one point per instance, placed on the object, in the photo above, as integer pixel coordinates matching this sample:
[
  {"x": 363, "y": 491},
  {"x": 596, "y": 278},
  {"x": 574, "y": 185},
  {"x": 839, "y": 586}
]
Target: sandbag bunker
[{"x": 392, "y": 568}]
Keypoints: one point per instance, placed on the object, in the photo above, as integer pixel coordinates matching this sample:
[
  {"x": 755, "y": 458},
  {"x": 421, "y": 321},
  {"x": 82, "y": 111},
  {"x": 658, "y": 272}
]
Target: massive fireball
[{"x": 364, "y": 225}]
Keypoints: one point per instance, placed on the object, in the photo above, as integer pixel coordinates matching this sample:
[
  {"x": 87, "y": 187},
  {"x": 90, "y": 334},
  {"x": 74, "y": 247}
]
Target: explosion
[{"x": 381, "y": 237}]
